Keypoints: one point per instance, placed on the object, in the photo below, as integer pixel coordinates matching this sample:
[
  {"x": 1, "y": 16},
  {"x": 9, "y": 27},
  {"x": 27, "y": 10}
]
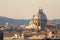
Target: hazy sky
[{"x": 24, "y": 9}]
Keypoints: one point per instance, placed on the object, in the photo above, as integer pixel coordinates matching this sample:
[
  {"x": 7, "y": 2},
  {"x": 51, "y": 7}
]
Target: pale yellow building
[{"x": 33, "y": 23}]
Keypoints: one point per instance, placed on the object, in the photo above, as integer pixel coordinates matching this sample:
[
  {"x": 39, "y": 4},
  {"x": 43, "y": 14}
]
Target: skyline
[{"x": 24, "y": 9}]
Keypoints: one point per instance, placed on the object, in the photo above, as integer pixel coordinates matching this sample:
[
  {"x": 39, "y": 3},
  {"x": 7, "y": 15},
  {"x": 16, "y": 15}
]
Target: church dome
[{"x": 42, "y": 18}]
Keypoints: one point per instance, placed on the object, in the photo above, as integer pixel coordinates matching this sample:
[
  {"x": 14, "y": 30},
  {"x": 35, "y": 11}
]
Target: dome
[{"x": 42, "y": 18}]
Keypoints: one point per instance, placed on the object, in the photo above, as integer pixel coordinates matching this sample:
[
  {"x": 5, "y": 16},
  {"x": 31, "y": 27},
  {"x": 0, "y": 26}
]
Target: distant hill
[
  {"x": 3, "y": 20},
  {"x": 56, "y": 21}
]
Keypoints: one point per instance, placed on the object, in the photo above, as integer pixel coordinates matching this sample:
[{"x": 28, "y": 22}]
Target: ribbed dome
[{"x": 42, "y": 18}]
